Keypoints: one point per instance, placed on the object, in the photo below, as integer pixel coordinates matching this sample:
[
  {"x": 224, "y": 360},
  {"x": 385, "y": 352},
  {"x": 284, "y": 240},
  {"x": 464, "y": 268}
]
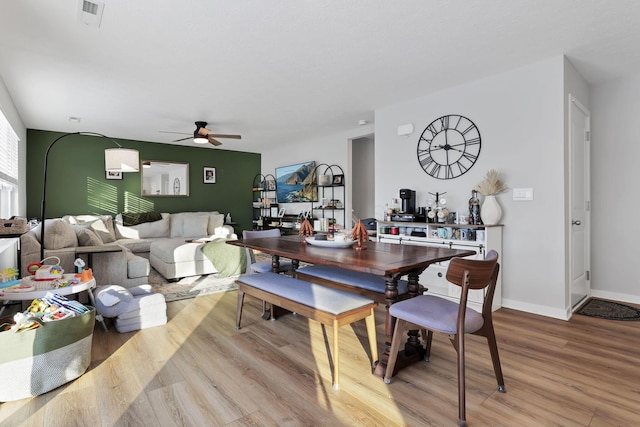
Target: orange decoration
[
  {"x": 360, "y": 234},
  {"x": 306, "y": 229}
]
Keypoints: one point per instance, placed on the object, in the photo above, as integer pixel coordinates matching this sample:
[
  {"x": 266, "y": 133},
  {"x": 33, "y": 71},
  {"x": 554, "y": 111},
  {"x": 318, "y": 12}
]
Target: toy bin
[{"x": 36, "y": 361}]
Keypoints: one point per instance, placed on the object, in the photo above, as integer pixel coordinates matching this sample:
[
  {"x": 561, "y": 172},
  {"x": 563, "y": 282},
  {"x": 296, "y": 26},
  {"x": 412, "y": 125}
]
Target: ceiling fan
[{"x": 202, "y": 135}]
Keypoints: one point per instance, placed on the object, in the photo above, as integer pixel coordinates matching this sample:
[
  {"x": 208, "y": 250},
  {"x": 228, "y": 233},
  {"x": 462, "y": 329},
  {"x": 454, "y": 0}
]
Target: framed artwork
[
  {"x": 113, "y": 175},
  {"x": 338, "y": 179},
  {"x": 209, "y": 175}
]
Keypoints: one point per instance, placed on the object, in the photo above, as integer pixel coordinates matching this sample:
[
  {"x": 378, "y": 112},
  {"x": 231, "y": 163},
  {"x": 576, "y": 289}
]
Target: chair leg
[
  {"x": 370, "y": 321},
  {"x": 239, "y": 311},
  {"x": 461, "y": 381},
  {"x": 495, "y": 358},
  {"x": 393, "y": 351},
  {"x": 265, "y": 313},
  {"x": 336, "y": 357},
  {"x": 427, "y": 337}
]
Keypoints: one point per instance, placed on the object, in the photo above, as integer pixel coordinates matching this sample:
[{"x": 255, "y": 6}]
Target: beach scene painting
[{"x": 296, "y": 183}]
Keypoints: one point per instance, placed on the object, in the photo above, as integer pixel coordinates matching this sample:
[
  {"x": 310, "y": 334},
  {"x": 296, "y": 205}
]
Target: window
[{"x": 8, "y": 169}]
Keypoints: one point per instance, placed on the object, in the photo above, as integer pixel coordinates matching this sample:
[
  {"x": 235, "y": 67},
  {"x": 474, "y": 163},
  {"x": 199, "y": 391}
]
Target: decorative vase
[{"x": 490, "y": 212}]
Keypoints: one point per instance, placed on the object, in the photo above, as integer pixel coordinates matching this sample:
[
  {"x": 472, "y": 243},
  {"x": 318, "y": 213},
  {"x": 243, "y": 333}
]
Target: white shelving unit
[{"x": 428, "y": 234}]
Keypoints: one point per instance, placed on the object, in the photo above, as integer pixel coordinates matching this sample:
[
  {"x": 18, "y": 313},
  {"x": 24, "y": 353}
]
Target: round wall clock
[
  {"x": 449, "y": 146},
  {"x": 176, "y": 186}
]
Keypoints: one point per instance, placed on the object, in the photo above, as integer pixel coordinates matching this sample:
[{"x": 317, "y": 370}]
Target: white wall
[
  {"x": 615, "y": 108},
  {"x": 330, "y": 149},
  {"x": 520, "y": 118},
  {"x": 10, "y": 112}
]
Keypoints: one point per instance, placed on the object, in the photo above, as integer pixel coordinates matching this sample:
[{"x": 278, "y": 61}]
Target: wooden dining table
[{"x": 389, "y": 260}]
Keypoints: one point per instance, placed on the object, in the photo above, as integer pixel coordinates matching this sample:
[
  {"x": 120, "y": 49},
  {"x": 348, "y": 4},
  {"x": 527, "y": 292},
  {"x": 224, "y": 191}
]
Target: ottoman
[{"x": 133, "y": 308}]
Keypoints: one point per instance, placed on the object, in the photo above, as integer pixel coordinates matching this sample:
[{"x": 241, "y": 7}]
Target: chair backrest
[
  {"x": 257, "y": 234},
  {"x": 481, "y": 272}
]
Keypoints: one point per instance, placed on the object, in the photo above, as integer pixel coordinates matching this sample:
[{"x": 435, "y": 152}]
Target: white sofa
[
  {"x": 161, "y": 243},
  {"x": 165, "y": 242}
]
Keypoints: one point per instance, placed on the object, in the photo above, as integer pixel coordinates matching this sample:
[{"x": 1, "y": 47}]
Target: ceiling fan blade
[
  {"x": 182, "y": 139},
  {"x": 219, "y": 135},
  {"x": 214, "y": 142},
  {"x": 177, "y": 133}
]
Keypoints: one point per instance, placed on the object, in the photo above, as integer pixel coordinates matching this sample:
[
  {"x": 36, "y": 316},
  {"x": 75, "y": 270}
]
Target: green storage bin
[{"x": 36, "y": 361}]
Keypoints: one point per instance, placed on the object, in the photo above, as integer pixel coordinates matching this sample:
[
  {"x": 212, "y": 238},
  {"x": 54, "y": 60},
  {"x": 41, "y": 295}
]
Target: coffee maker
[{"x": 408, "y": 200}]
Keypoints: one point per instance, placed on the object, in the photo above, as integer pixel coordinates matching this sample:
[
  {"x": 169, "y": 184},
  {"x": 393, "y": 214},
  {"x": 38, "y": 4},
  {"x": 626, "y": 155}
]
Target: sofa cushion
[
  {"x": 58, "y": 234},
  {"x": 145, "y": 230},
  {"x": 87, "y": 237},
  {"x": 137, "y": 246},
  {"x": 173, "y": 251},
  {"x": 137, "y": 266},
  {"x": 189, "y": 224}
]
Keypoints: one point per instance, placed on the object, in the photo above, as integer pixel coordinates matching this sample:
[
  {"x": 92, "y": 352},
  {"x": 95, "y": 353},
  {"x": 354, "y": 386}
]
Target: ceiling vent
[{"x": 90, "y": 12}]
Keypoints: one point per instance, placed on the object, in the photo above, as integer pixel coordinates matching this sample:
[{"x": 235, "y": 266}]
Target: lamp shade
[
  {"x": 121, "y": 160},
  {"x": 200, "y": 140}
]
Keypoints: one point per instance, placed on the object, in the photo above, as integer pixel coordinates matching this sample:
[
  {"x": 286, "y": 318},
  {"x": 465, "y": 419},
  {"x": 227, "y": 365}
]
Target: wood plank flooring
[{"x": 198, "y": 370}]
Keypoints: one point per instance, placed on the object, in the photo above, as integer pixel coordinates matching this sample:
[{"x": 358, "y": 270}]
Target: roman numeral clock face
[{"x": 449, "y": 147}]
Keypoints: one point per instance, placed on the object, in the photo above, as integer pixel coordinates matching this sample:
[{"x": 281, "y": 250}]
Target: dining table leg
[{"x": 413, "y": 350}]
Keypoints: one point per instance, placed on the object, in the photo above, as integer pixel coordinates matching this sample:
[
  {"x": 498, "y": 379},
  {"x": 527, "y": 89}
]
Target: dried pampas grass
[{"x": 491, "y": 184}]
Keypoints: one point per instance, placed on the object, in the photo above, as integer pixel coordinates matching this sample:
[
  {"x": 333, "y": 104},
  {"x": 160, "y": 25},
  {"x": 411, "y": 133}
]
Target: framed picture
[
  {"x": 114, "y": 175},
  {"x": 338, "y": 179},
  {"x": 209, "y": 175},
  {"x": 270, "y": 184}
]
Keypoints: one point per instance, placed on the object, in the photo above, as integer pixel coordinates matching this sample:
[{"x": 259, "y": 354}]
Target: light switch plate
[{"x": 523, "y": 194}]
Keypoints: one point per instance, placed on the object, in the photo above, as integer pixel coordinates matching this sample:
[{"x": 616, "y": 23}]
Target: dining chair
[
  {"x": 430, "y": 313},
  {"x": 264, "y": 266}
]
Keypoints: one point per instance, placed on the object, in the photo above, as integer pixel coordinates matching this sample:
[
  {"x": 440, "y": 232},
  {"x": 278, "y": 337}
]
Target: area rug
[
  {"x": 190, "y": 287},
  {"x": 608, "y": 310}
]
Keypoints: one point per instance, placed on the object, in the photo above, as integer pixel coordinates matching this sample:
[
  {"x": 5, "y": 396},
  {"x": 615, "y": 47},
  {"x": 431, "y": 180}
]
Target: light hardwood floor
[{"x": 198, "y": 370}]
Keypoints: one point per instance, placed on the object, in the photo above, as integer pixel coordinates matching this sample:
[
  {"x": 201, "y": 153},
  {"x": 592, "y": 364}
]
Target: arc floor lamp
[{"x": 115, "y": 160}]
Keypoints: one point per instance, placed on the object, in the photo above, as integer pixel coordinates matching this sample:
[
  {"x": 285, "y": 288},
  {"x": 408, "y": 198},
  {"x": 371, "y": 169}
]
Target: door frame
[{"x": 587, "y": 210}]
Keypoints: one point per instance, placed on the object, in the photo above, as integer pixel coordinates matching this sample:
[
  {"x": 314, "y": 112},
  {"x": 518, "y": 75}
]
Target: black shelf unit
[
  {"x": 265, "y": 198},
  {"x": 333, "y": 192}
]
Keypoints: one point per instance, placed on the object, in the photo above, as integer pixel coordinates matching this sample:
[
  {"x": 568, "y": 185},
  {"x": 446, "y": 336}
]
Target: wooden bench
[
  {"x": 325, "y": 305},
  {"x": 365, "y": 284}
]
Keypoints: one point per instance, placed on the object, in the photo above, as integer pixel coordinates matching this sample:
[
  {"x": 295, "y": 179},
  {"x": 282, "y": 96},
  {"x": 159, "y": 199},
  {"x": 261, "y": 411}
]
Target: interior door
[{"x": 579, "y": 172}]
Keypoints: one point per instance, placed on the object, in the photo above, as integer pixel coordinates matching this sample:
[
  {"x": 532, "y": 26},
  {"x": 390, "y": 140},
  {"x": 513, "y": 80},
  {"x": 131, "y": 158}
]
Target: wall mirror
[{"x": 162, "y": 178}]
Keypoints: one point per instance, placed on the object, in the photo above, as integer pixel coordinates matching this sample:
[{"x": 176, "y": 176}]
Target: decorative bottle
[{"x": 474, "y": 209}]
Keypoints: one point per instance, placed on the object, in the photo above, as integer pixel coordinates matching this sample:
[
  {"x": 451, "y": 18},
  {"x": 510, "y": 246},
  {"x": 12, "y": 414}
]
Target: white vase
[{"x": 490, "y": 212}]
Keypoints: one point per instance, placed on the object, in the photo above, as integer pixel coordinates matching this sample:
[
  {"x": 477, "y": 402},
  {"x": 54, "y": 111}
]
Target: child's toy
[{"x": 46, "y": 272}]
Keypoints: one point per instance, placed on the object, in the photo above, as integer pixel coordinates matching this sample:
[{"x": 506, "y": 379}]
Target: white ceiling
[{"x": 283, "y": 70}]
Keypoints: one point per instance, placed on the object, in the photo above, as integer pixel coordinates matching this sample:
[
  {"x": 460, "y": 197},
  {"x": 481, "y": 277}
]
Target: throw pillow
[
  {"x": 104, "y": 230},
  {"x": 87, "y": 237},
  {"x": 101, "y": 224},
  {"x": 58, "y": 234},
  {"x": 135, "y": 218},
  {"x": 215, "y": 220}
]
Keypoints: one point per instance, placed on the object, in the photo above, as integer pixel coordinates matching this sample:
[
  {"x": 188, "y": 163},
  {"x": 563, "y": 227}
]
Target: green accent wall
[{"x": 76, "y": 182}]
